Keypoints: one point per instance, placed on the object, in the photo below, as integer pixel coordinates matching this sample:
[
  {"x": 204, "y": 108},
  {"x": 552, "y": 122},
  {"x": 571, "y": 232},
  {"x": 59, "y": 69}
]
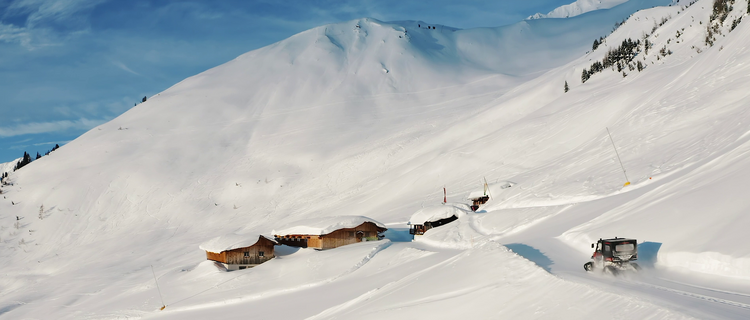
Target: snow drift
[
  {"x": 232, "y": 241},
  {"x": 325, "y": 225}
]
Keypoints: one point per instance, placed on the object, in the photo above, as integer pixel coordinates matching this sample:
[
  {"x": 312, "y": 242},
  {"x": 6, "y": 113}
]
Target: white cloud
[
  {"x": 41, "y": 16},
  {"x": 44, "y": 127},
  {"x": 51, "y": 10},
  {"x": 11, "y": 33}
]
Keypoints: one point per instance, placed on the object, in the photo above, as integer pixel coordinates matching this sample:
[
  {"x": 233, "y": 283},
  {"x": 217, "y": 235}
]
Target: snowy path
[{"x": 703, "y": 296}]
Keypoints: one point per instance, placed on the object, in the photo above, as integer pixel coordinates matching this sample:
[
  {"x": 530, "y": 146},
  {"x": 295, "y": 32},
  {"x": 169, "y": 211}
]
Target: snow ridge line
[{"x": 380, "y": 247}]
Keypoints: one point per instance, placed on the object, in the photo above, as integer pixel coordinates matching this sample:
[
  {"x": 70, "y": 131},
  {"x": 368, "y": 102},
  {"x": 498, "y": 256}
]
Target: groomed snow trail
[{"x": 704, "y": 296}]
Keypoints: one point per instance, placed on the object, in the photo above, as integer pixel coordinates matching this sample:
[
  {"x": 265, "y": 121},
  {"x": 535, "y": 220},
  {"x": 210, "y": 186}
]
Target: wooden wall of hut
[
  {"x": 480, "y": 201},
  {"x": 260, "y": 252},
  {"x": 417, "y": 229},
  {"x": 294, "y": 240},
  {"x": 346, "y": 236},
  {"x": 334, "y": 239},
  {"x": 220, "y": 257}
]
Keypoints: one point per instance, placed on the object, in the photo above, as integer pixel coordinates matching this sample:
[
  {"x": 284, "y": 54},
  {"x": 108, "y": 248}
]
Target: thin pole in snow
[
  {"x": 627, "y": 181},
  {"x": 157, "y": 288},
  {"x": 445, "y": 196},
  {"x": 487, "y": 187}
]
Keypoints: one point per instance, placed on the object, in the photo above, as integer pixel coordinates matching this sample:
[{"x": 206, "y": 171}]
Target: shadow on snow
[
  {"x": 647, "y": 252},
  {"x": 398, "y": 235},
  {"x": 532, "y": 254}
]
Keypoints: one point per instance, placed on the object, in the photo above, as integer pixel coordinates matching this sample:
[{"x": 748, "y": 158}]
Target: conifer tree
[
  {"x": 21, "y": 163},
  {"x": 566, "y": 86}
]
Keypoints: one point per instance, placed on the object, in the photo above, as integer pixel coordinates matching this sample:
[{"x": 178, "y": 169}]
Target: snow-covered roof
[
  {"x": 500, "y": 185},
  {"x": 325, "y": 225},
  {"x": 435, "y": 213},
  {"x": 232, "y": 241}
]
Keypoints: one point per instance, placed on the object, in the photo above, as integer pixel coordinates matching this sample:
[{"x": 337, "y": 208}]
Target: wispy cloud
[
  {"x": 43, "y": 11},
  {"x": 27, "y": 146},
  {"x": 11, "y": 33},
  {"x": 124, "y": 67},
  {"x": 50, "y": 143},
  {"x": 46, "y": 127},
  {"x": 44, "y": 21}
]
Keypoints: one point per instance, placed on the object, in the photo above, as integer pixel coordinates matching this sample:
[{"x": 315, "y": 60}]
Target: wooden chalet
[
  {"x": 480, "y": 197},
  {"x": 478, "y": 201},
  {"x": 435, "y": 216},
  {"x": 330, "y": 232},
  {"x": 420, "y": 229},
  {"x": 237, "y": 252}
]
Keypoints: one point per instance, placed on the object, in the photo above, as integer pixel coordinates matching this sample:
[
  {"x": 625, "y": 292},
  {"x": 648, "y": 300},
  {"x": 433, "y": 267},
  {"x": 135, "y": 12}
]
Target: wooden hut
[
  {"x": 430, "y": 217},
  {"x": 330, "y": 232},
  {"x": 480, "y": 197},
  {"x": 237, "y": 252}
]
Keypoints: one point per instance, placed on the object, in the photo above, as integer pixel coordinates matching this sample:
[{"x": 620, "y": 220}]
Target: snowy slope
[
  {"x": 8, "y": 166},
  {"x": 373, "y": 118},
  {"x": 577, "y": 8},
  {"x": 680, "y": 121}
]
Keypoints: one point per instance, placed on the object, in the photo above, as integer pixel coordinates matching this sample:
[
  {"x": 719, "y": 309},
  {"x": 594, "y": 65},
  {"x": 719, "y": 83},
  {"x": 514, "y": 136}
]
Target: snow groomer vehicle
[{"x": 614, "y": 255}]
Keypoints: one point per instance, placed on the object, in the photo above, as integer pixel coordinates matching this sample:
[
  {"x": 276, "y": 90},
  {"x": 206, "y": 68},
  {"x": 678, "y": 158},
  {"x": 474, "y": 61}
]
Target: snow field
[{"x": 372, "y": 118}]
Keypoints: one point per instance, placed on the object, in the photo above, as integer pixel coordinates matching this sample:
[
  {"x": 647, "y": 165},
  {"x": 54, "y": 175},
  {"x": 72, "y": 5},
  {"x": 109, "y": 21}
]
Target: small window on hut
[
  {"x": 351, "y": 234},
  {"x": 247, "y": 254},
  {"x": 260, "y": 253}
]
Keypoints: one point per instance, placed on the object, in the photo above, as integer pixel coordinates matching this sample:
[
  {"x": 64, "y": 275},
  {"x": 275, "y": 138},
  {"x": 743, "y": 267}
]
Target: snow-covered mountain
[
  {"x": 577, "y": 8},
  {"x": 8, "y": 166},
  {"x": 373, "y": 119}
]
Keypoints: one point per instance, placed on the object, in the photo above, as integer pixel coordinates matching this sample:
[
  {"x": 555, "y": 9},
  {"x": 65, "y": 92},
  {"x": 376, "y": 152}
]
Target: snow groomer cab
[{"x": 613, "y": 255}]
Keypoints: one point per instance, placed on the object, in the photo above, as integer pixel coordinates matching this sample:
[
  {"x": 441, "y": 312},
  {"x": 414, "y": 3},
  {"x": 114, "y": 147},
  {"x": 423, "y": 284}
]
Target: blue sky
[{"x": 69, "y": 65}]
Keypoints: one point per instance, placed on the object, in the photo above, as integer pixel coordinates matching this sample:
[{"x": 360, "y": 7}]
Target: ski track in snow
[
  {"x": 335, "y": 309},
  {"x": 700, "y": 296}
]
